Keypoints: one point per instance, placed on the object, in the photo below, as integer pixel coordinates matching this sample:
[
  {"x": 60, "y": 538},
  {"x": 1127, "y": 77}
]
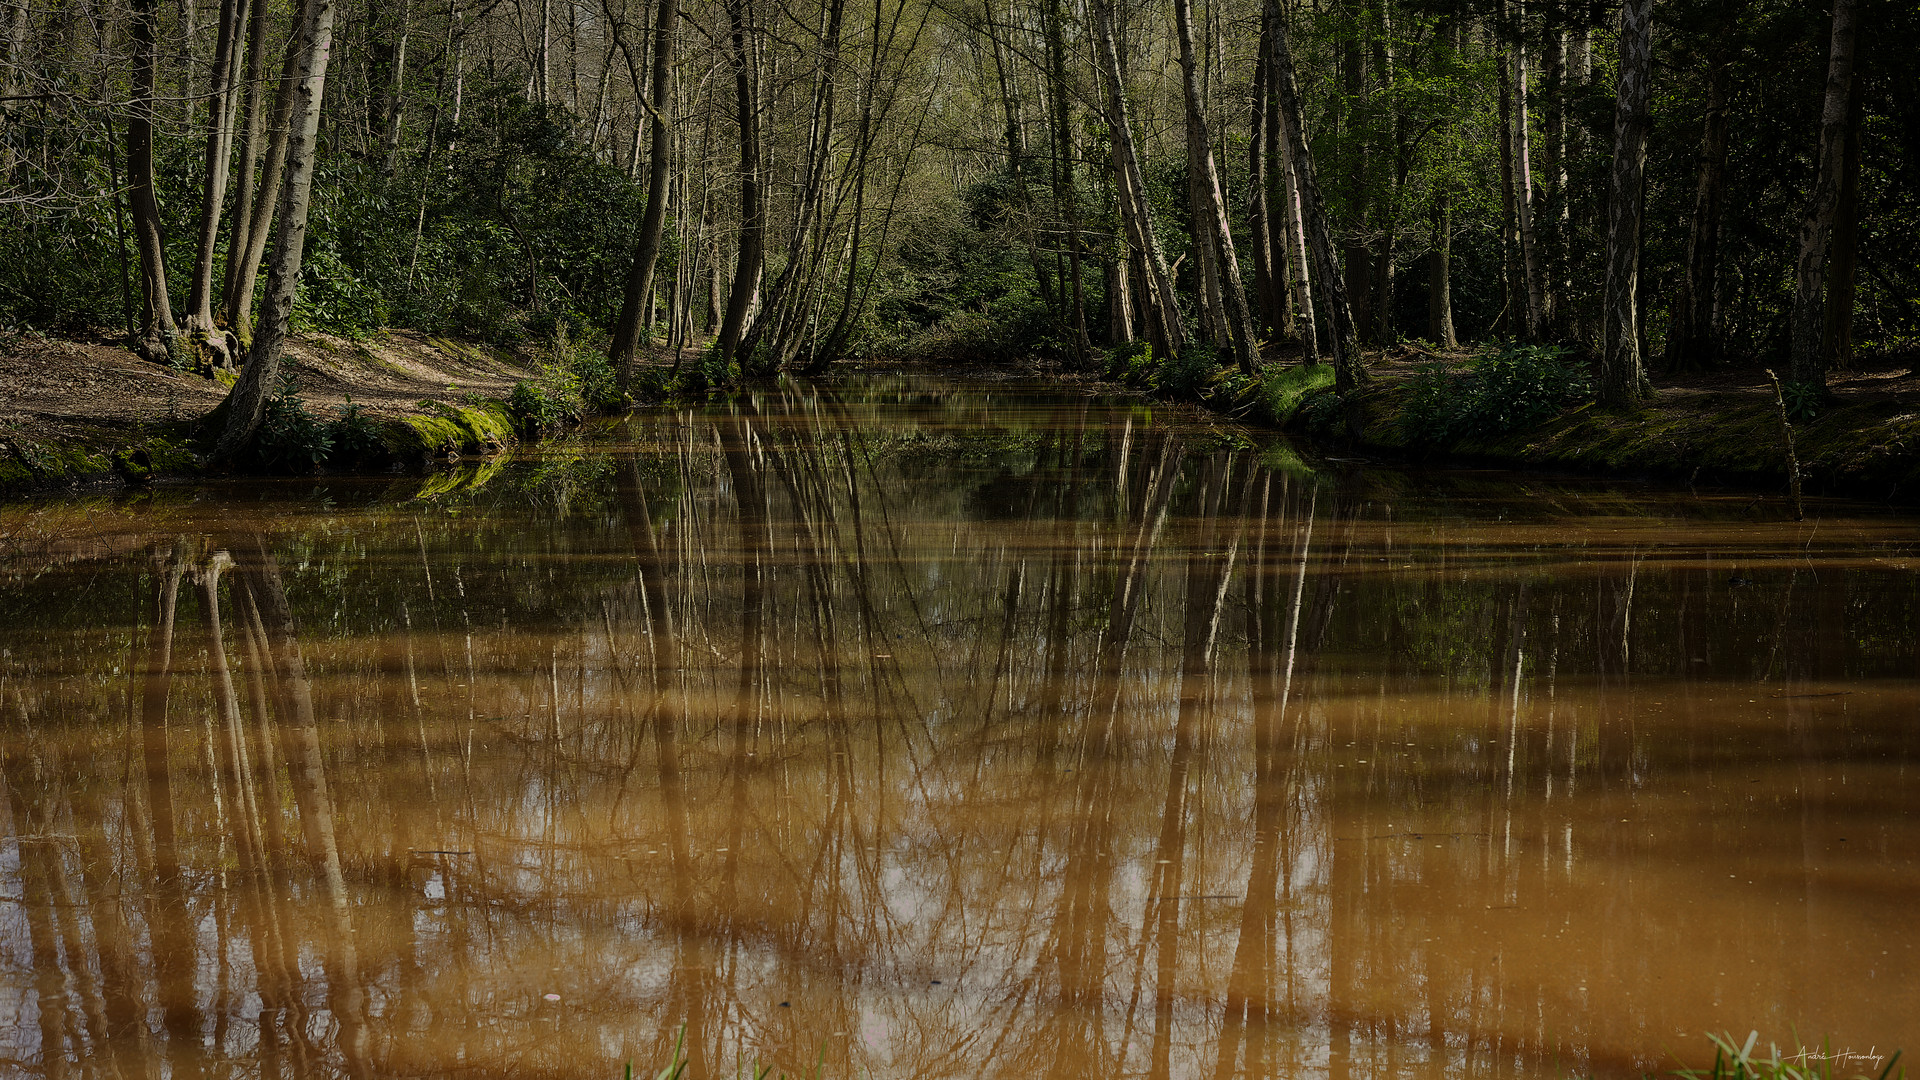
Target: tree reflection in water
[{"x": 962, "y": 735}]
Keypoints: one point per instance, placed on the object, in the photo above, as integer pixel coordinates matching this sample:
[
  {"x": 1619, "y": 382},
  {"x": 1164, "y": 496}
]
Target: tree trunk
[
  {"x": 246, "y": 404},
  {"x": 266, "y": 195},
  {"x": 1549, "y": 224},
  {"x": 1844, "y": 262},
  {"x": 1164, "y": 329},
  {"x": 1349, "y": 372},
  {"x": 1064, "y": 192},
  {"x": 1266, "y": 295},
  {"x": 1807, "y": 360},
  {"x": 1693, "y": 340},
  {"x": 1219, "y": 240},
  {"x": 202, "y": 334},
  {"x": 1512, "y": 321},
  {"x": 646, "y": 255},
  {"x": 1623, "y": 379},
  {"x": 1530, "y": 260},
  {"x": 1440, "y": 275},
  {"x": 1294, "y": 258},
  {"x": 250, "y": 153},
  {"x": 751, "y": 258},
  {"x": 158, "y": 333}
]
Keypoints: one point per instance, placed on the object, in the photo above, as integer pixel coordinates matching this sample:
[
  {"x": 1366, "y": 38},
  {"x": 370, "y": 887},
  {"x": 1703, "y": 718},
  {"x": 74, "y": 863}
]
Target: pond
[{"x": 918, "y": 728}]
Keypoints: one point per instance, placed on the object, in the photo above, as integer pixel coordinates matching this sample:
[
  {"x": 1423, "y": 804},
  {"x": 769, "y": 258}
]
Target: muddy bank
[{"x": 75, "y": 413}]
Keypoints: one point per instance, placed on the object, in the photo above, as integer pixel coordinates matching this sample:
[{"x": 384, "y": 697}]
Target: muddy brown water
[{"x": 923, "y": 729}]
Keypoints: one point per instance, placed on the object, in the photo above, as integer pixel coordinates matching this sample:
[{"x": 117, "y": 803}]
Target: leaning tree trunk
[
  {"x": 1623, "y": 379},
  {"x": 207, "y": 339},
  {"x": 1693, "y": 338},
  {"x": 251, "y": 149},
  {"x": 1259, "y": 222},
  {"x": 646, "y": 254},
  {"x": 158, "y": 333},
  {"x": 1330, "y": 295},
  {"x": 1807, "y": 361},
  {"x": 1164, "y": 328},
  {"x": 1219, "y": 235},
  {"x": 751, "y": 258},
  {"x": 247, "y": 403},
  {"x": 266, "y": 194}
]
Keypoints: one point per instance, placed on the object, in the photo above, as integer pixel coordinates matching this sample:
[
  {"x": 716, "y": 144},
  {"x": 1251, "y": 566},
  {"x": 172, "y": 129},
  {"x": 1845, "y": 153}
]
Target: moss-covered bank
[{"x": 1867, "y": 446}]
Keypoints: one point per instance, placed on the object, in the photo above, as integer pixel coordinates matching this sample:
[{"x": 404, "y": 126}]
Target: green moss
[{"x": 451, "y": 429}]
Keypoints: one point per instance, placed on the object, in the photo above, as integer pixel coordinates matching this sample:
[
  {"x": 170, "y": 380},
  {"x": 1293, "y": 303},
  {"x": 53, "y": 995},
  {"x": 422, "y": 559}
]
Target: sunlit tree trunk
[
  {"x": 1242, "y": 338},
  {"x": 265, "y": 195},
  {"x": 1164, "y": 328},
  {"x": 1330, "y": 299},
  {"x": 246, "y": 404},
  {"x": 206, "y": 338},
  {"x": 158, "y": 332},
  {"x": 1530, "y": 259},
  {"x": 1623, "y": 380},
  {"x": 646, "y": 256},
  {"x": 1807, "y": 360}
]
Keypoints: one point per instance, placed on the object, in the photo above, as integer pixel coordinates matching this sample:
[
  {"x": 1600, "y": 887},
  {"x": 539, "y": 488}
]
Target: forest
[{"x": 1192, "y": 189}]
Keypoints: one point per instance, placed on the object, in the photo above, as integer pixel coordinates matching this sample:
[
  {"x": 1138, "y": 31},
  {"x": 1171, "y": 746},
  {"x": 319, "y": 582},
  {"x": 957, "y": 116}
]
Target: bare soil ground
[{"x": 100, "y": 394}]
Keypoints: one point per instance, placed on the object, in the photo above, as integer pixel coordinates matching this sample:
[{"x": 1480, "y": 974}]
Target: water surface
[{"x": 951, "y": 730}]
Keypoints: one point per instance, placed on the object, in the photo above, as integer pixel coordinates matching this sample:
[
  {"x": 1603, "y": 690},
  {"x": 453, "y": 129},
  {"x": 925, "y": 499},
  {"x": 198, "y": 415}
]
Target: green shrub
[
  {"x": 1512, "y": 387},
  {"x": 356, "y": 441},
  {"x": 1282, "y": 390},
  {"x": 291, "y": 439}
]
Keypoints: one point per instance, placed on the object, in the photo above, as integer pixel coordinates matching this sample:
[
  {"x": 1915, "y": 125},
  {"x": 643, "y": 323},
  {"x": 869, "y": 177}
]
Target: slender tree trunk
[
  {"x": 250, "y": 152},
  {"x": 1623, "y": 379},
  {"x": 1259, "y": 181},
  {"x": 1440, "y": 275},
  {"x": 1357, "y": 259},
  {"x": 1242, "y": 337},
  {"x": 1530, "y": 261},
  {"x": 1844, "y": 262},
  {"x": 1512, "y": 321},
  {"x": 266, "y": 195},
  {"x": 1550, "y": 224},
  {"x": 646, "y": 255},
  {"x": 1164, "y": 329},
  {"x": 1065, "y": 193},
  {"x": 205, "y": 337},
  {"x": 751, "y": 258},
  {"x": 246, "y": 404},
  {"x": 158, "y": 332},
  {"x": 1693, "y": 339},
  {"x": 1329, "y": 295},
  {"x": 396, "y": 89},
  {"x": 1294, "y": 256},
  {"x": 1807, "y": 360}
]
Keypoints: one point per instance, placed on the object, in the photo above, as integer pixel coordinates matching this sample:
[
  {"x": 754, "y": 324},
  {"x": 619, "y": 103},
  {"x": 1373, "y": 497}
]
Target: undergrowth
[
  {"x": 293, "y": 439},
  {"x": 1509, "y": 387}
]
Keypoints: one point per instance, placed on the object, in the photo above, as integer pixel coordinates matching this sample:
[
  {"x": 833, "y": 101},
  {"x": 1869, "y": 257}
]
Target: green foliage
[
  {"x": 1804, "y": 401},
  {"x": 1193, "y": 375},
  {"x": 356, "y": 441},
  {"x": 1282, "y": 390},
  {"x": 291, "y": 438},
  {"x": 1511, "y": 386}
]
